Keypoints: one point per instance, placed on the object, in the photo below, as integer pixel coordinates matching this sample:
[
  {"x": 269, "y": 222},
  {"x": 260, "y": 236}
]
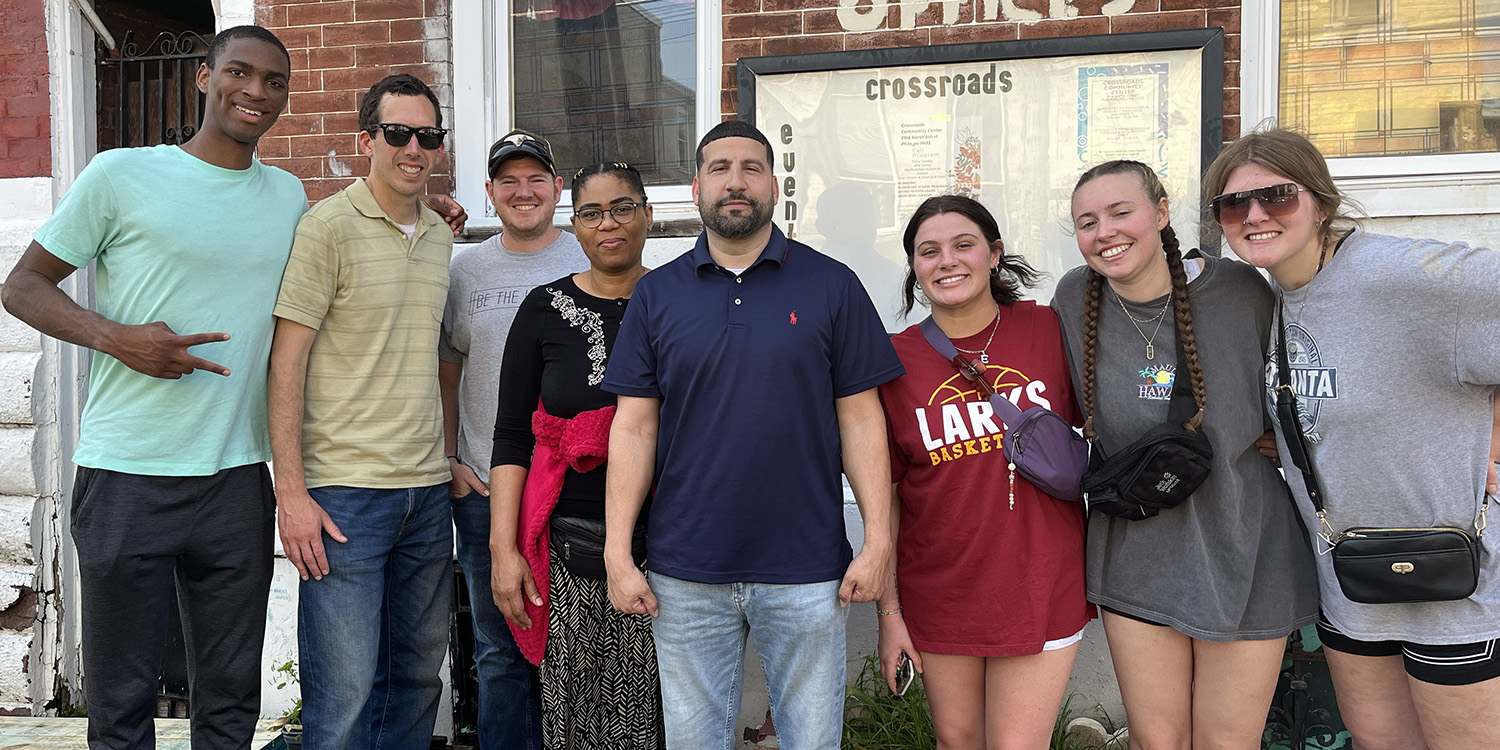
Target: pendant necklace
[
  {"x": 1160, "y": 317},
  {"x": 1322, "y": 258},
  {"x": 984, "y": 355}
]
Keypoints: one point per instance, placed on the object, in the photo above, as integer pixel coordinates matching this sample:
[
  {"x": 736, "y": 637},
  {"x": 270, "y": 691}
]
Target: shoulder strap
[
  {"x": 937, "y": 338},
  {"x": 1003, "y": 408},
  {"x": 1182, "y": 406},
  {"x": 1288, "y": 415}
]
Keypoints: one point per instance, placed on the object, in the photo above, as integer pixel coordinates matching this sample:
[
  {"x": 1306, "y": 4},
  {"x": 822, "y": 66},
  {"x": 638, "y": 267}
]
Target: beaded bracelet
[{"x": 884, "y": 612}]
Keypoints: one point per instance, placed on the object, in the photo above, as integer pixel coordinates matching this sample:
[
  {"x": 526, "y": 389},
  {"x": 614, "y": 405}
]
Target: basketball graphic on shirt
[{"x": 957, "y": 388}]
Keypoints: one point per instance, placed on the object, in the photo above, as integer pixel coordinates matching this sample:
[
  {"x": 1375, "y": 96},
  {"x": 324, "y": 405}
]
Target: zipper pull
[
  {"x": 1325, "y": 533},
  {"x": 1012, "y": 486}
]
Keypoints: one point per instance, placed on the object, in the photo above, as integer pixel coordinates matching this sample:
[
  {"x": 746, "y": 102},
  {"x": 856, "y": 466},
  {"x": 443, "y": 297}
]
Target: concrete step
[{"x": 18, "y": 732}]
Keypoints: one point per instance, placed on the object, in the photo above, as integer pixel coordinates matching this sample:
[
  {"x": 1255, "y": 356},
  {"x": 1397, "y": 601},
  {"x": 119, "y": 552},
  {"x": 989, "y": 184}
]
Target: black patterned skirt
[{"x": 599, "y": 681}]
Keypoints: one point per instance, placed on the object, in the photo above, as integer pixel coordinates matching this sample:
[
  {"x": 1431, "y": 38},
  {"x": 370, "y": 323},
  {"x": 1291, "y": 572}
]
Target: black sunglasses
[
  {"x": 624, "y": 213},
  {"x": 1276, "y": 200},
  {"x": 399, "y": 135}
]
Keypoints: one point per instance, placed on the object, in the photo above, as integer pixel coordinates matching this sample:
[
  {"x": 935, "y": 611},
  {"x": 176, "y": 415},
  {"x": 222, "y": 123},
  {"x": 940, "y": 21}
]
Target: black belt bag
[
  {"x": 579, "y": 543},
  {"x": 1156, "y": 472},
  {"x": 1382, "y": 566},
  {"x": 1160, "y": 470},
  {"x": 1373, "y": 565}
]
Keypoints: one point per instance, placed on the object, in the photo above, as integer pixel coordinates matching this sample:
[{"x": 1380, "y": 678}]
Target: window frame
[
  {"x": 483, "y": 97},
  {"x": 1420, "y": 185}
]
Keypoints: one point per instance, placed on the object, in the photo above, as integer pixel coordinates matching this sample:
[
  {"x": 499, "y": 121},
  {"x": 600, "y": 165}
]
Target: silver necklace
[
  {"x": 1148, "y": 321},
  {"x": 1160, "y": 317},
  {"x": 1322, "y": 258},
  {"x": 984, "y": 355}
]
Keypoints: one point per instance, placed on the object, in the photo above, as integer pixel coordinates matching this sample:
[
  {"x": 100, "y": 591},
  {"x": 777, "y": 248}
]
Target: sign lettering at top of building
[{"x": 869, "y": 15}]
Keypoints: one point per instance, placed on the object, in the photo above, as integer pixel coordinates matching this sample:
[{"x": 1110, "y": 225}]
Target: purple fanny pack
[{"x": 1038, "y": 443}]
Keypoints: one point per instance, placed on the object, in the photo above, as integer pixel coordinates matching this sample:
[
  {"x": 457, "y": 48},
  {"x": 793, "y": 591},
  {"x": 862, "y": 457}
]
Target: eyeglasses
[
  {"x": 624, "y": 213},
  {"x": 399, "y": 135},
  {"x": 1276, "y": 200}
]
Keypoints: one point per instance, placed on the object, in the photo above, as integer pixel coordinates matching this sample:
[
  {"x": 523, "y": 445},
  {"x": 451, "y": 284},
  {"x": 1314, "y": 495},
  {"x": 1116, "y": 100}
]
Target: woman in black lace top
[{"x": 599, "y": 678}]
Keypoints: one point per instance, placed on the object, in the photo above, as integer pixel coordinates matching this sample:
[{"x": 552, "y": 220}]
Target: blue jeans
[
  {"x": 509, "y": 710},
  {"x": 371, "y": 635},
  {"x": 700, "y": 651}
]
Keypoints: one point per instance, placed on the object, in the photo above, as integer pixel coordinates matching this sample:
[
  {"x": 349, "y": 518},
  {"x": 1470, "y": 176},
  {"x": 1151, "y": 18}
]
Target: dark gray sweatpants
[{"x": 142, "y": 540}]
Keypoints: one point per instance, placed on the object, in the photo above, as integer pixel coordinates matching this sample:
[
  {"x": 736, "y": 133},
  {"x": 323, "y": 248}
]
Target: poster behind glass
[{"x": 864, "y": 147}]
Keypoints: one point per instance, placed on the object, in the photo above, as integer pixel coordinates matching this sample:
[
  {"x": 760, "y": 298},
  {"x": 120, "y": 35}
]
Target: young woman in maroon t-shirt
[{"x": 990, "y": 581}]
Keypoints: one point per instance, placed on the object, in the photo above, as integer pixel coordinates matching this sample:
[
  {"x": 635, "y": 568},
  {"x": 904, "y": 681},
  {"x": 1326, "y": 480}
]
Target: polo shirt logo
[{"x": 794, "y": 317}]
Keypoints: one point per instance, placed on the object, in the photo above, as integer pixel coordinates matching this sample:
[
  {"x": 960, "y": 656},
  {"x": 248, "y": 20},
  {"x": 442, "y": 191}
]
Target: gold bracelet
[{"x": 884, "y": 612}]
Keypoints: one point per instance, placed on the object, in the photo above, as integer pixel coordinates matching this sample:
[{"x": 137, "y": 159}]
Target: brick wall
[
  {"x": 789, "y": 27},
  {"x": 25, "y": 109},
  {"x": 339, "y": 49}
]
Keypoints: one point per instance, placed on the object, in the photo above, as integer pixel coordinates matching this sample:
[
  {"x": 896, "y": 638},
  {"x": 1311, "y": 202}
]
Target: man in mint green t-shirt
[{"x": 172, "y": 496}]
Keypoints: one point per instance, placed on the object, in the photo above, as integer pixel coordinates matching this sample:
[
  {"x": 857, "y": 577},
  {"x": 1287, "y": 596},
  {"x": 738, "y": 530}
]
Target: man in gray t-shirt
[{"x": 487, "y": 283}]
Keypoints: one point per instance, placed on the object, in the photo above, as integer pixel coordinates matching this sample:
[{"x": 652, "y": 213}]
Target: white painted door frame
[{"x": 62, "y": 378}]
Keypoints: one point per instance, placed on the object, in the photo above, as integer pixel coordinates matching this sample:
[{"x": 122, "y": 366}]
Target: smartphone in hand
[{"x": 905, "y": 673}]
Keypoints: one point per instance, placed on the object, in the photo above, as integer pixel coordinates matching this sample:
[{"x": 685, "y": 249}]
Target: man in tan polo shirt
[{"x": 356, "y": 436}]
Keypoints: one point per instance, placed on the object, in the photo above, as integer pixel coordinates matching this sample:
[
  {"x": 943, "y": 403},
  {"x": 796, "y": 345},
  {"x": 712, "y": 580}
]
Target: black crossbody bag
[
  {"x": 1160, "y": 470},
  {"x": 1373, "y": 565}
]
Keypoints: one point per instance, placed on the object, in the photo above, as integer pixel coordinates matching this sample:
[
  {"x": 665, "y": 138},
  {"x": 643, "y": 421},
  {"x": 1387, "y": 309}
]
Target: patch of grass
[
  {"x": 875, "y": 719},
  {"x": 1060, "y": 738},
  {"x": 287, "y": 675}
]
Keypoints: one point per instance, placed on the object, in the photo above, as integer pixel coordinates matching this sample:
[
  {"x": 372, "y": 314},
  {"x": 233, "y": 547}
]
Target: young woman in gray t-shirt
[
  {"x": 1394, "y": 348},
  {"x": 1198, "y": 600}
]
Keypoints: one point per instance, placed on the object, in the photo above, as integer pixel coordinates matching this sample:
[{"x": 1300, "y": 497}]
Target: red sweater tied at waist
[{"x": 582, "y": 444}]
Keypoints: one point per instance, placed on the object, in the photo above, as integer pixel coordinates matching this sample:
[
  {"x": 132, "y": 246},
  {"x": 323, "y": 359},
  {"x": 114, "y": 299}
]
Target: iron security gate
[
  {"x": 154, "y": 90},
  {"x": 1304, "y": 714}
]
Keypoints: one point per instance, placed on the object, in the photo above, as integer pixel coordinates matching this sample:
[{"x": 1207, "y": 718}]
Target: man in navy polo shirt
[{"x": 746, "y": 371}]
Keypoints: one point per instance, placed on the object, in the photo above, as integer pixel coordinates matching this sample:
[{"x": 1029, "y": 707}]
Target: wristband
[{"x": 454, "y": 457}]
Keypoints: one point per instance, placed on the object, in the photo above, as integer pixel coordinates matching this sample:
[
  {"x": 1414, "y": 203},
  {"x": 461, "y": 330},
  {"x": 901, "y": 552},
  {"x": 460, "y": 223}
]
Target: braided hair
[
  {"x": 1181, "y": 305},
  {"x": 619, "y": 169}
]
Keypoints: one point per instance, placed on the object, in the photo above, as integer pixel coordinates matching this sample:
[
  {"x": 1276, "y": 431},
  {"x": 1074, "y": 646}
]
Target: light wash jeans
[
  {"x": 700, "y": 650},
  {"x": 371, "y": 634},
  {"x": 510, "y": 713}
]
